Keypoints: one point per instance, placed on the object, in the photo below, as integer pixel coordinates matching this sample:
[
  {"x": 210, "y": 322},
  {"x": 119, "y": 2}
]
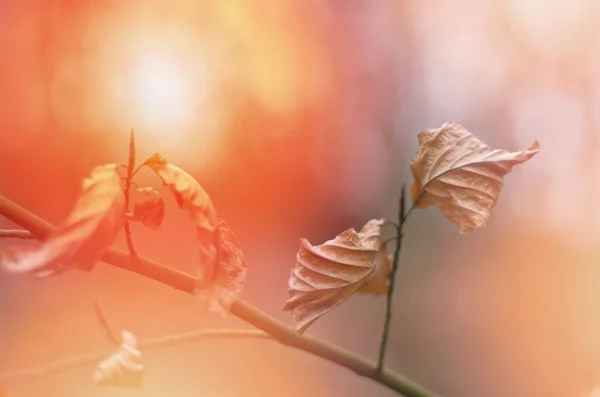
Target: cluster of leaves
[
  {"x": 452, "y": 170},
  {"x": 100, "y": 213}
]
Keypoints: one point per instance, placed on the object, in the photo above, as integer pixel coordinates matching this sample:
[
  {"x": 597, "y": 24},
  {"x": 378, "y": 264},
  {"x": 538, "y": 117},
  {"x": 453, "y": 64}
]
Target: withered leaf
[
  {"x": 222, "y": 269},
  {"x": 378, "y": 282},
  {"x": 230, "y": 274},
  {"x": 458, "y": 173},
  {"x": 326, "y": 275},
  {"x": 150, "y": 209},
  {"x": 89, "y": 230},
  {"x": 122, "y": 368}
]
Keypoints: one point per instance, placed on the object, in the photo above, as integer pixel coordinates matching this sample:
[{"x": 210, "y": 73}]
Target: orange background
[{"x": 300, "y": 119}]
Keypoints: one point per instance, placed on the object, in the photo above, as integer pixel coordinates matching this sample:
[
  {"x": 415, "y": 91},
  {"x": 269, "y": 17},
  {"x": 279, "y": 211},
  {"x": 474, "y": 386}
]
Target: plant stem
[
  {"x": 94, "y": 358},
  {"x": 392, "y": 282},
  {"x": 130, "y": 173},
  {"x": 104, "y": 323},
  {"x": 187, "y": 283},
  {"x": 21, "y": 234}
]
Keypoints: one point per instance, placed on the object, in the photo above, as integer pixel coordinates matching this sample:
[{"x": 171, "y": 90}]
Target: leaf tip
[
  {"x": 155, "y": 162},
  {"x": 535, "y": 146}
]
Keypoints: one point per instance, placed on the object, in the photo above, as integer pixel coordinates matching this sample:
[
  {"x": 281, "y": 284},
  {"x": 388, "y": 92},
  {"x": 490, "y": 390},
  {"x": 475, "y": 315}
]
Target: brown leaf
[
  {"x": 377, "y": 284},
  {"x": 460, "y": 174},
  {"x": 229, "y": 276},
  {"x": 187, "y": 191},
  {"x": 89, "y": 230},
  {"x": 222, "y": 269},
  {"x": 122, "y": 368},
  {"x": 326, "y": 275},
  {"x": 150, "y": 209}
]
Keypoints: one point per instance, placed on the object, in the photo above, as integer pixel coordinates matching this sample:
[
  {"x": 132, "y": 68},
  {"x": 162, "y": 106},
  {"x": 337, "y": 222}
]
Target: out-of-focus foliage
[
  {"x": 221, "y": 269},
  {"x": 122, "y": 368},
  {"x": 89, "y": 230},
  {"x": 149, "y": 209}
]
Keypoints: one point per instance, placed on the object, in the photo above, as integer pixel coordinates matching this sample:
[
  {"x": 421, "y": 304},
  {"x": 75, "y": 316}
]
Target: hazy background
[{"x": 300, "y": 119}]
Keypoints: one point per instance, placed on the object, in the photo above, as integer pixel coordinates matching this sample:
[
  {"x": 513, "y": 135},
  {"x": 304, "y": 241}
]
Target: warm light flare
[{"x": 162, "y": 92}]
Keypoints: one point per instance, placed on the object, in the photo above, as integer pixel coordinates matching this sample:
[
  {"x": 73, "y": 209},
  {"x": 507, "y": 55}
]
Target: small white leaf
[{"x": 122, "y": 368}]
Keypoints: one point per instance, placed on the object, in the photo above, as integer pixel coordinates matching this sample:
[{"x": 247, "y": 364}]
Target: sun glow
[{"x": 162, "y": 92}]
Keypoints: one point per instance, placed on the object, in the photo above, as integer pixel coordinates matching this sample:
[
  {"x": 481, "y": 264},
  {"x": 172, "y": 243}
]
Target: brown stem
[
  {"x": 21, "y": 234},
  {"x": 186, "y": 283},
  {"x": 147, "y": 344}
]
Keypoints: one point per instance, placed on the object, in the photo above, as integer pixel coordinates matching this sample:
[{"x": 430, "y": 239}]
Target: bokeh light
[{"x": 162, "y": 93}]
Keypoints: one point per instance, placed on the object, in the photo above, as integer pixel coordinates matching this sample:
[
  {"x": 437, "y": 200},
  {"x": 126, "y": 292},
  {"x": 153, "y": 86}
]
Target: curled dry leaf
[
  {"x": 230, "y": 274},
  {"x": 222, "y": 269},
  {"x": 89, "y": 230},
  {"x": 460, "y": 174},
  {"x": 122, "y": 368},
  {"x": 150, "y": 209},
  {"x": 326, "y": 275},
  {"x": 378, "y": 283}
]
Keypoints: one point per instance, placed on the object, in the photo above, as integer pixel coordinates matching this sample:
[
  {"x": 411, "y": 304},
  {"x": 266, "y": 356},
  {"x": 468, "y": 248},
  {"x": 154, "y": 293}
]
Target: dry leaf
[
  {"x": 122, "y": 368},
  {"x": 89, "y": 230},
  {"x": 460, "y": 174},
  {"x": 326, "y": 275},
  {"x": 229, "y": 276},
  {"x": 222, "y": 269},
  {"x": 378, "y": 283},
  {"x": 150, "y": 209}
]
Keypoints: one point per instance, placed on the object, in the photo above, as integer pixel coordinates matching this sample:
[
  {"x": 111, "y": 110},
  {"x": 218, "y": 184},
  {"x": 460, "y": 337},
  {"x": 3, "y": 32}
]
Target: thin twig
[
  {"x": 104, "y": 323},
  {"x": 390, "y": 223},
  {"x": 387, "y": 240},
  {"x": 410, "y": 209},
  {"x": 392, "y": 282},
  {"x": 22, "y": 234},
  {"x": 94, "y": 358},
  {"x": 187, "y": 283},
  {"x": 128, "y": 180}
]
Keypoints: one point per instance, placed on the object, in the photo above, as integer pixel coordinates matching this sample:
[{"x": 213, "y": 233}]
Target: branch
[
  {"x": 22, "y": 234},
  {"x": 110, "y": 335},
  {"x": 390, "y": 292},
  {"x": 186, "y": 283},
  {"x": 94, "y": 358}
]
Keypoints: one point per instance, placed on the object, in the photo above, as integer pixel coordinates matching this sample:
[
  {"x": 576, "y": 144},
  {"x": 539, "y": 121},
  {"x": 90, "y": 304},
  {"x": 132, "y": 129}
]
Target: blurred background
[{"x": 300, "y": 120}]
